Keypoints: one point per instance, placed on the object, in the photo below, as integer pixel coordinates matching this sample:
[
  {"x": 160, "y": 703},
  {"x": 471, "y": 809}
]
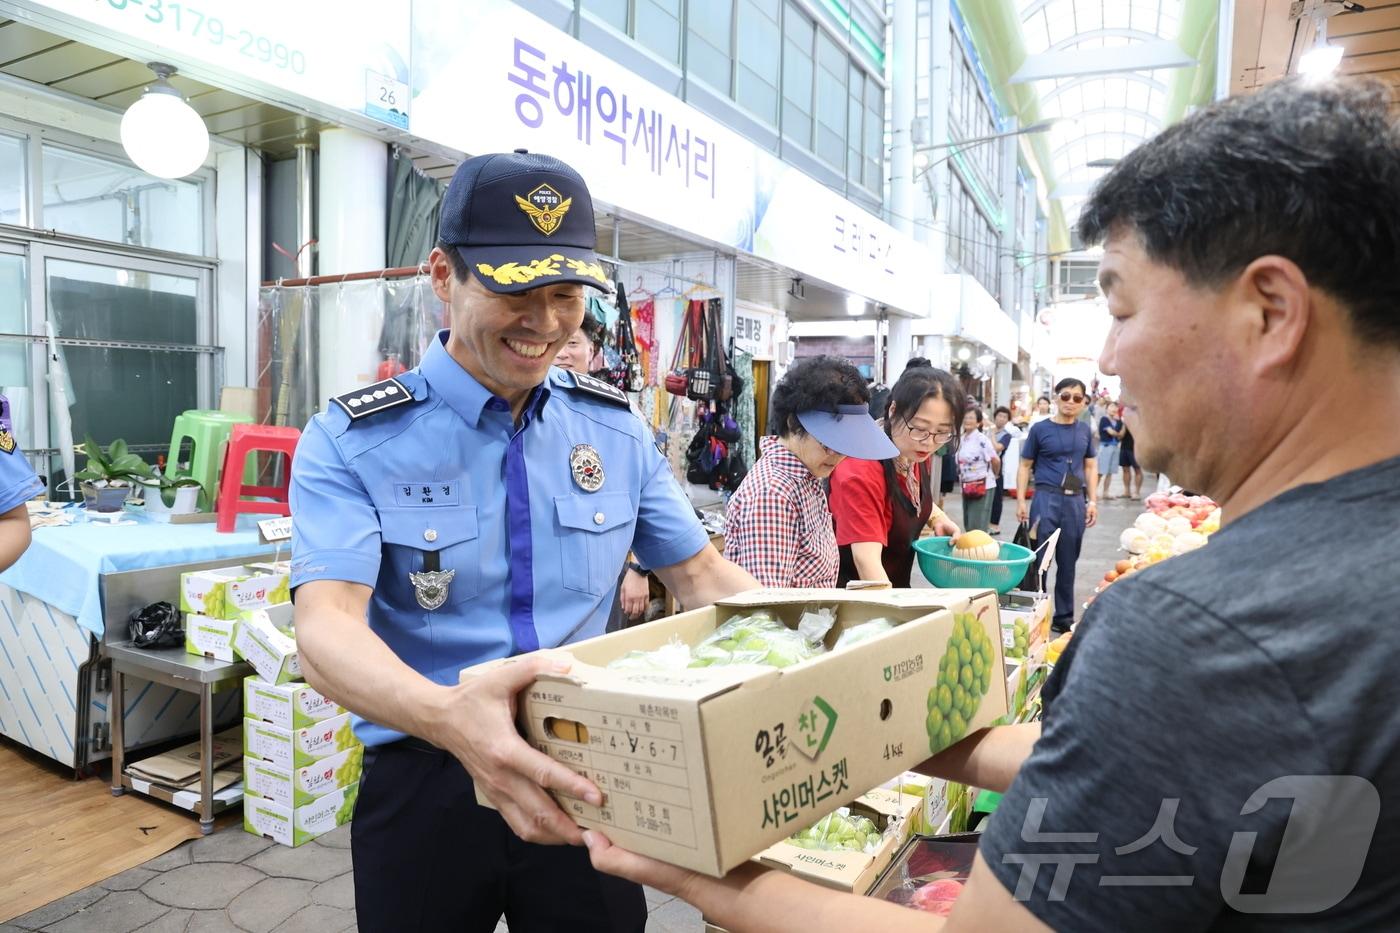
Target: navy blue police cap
[{"x": 521, "y": 220}]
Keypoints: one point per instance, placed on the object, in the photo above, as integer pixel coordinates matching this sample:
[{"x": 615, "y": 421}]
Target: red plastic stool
[{"x": 247, "y": 439}]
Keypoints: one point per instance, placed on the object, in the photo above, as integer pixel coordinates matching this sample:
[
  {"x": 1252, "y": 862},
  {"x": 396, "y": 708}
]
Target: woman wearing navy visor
[
  {"x": 778, "y": 526},
  {"x": 882, "y": 504}
]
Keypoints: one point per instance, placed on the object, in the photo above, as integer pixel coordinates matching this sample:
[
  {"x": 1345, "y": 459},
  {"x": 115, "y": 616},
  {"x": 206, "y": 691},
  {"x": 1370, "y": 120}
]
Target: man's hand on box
[{"x": 478, "y": 727}]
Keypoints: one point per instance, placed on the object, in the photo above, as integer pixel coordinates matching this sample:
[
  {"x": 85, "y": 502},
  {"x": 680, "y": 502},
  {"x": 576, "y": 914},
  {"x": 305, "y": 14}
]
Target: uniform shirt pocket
[
  {"x": 450, "y": 530},
  {"x": 594, "y": 532}
]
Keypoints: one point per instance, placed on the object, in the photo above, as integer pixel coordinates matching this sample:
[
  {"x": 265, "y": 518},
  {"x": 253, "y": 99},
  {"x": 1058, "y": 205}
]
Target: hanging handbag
[
  {"x": 702, "y": 380},
  {"x": 677, "y": 380}
]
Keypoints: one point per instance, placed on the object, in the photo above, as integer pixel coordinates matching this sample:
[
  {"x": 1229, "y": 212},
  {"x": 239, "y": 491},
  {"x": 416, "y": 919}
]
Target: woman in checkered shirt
[{"x": 777, "y": 525}]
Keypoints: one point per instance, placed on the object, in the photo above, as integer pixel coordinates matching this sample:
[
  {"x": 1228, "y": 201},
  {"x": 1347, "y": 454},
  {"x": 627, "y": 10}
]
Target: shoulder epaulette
[
  {"x": 373, "y": 399},
  {"x": 600, "y": 389}
]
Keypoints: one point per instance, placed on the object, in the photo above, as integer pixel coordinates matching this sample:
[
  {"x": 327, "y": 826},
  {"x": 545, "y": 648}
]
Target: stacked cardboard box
[
  {"x": 301, "y": 762},
  {"x": 216, "y": 601}
]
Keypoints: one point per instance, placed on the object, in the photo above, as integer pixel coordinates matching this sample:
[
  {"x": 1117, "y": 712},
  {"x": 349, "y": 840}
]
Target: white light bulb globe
[{"x": 164, "y": 136}]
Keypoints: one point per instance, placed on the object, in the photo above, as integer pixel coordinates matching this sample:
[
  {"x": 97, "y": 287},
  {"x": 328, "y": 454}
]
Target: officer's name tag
[{"x": 440, "y": 492}]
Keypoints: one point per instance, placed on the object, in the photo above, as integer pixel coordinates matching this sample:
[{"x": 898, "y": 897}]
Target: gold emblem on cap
[{"x": 545, "y": 207}]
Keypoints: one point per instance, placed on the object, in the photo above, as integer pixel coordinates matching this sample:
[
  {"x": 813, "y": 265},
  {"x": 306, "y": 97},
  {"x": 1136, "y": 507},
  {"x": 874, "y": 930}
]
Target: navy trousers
[
  {"x": 428, "y": 858},
  {"x": 1051, "y": 509}
]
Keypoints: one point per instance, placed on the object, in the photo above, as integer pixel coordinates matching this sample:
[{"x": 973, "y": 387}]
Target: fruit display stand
[{"x": 1172, "y": 523}]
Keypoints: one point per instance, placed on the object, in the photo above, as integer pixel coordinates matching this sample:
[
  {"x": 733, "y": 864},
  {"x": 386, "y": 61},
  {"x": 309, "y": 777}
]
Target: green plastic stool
[{"x": 208, "y": 431}]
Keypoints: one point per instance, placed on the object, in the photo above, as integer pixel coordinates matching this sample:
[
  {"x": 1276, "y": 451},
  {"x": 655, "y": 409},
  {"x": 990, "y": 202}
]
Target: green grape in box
[{"x": 964, "y": 676}]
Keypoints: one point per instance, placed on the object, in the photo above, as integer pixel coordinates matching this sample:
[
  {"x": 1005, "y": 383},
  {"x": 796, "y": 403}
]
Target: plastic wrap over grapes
[
  {"x": 964, "y": 675},
  {"x": 839, "y": 832}
]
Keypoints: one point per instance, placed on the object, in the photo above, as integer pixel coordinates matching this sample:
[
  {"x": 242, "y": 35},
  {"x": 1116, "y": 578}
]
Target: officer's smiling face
[{"x": 507, "y": 342}]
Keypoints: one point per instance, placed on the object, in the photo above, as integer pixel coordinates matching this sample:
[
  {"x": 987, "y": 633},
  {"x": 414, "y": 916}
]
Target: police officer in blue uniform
[
  {"x": 1060, "y": 453},
  {"x": 18, "y": 484},
  {"x": 478, "y": 507}
]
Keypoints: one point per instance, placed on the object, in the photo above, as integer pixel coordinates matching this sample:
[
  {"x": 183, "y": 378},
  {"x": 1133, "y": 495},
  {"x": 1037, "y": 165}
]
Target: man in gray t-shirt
[
  {"x": 1221, "y": 744},
  {"x": 1185, "y": 691}
]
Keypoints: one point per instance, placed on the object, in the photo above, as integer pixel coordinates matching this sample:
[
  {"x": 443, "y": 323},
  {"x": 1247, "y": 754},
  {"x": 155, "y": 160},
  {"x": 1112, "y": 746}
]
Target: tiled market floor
[{"x": 232, "y": 881}]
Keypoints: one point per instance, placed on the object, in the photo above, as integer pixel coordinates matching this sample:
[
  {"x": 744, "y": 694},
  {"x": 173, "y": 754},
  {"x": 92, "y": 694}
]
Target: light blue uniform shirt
[
  {"x": 18, "y": 483},
  {"x": 537, "y": 557}
]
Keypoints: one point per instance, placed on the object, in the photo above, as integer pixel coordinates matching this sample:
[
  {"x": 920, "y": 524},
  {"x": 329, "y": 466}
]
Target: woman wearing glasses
[
  {"x": 1059, "y": 452},
  {"x": 882, "y": 506}
]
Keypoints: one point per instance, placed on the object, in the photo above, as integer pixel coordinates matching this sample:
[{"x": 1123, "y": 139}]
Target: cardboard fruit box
[
  {"x": 291, "y": 705},
  {"x": 294, "y": 826},
  {"x": 227, "y": 591},
  {"x": 296, "y": 787},
  {"x": 261, "y": 639},
  {"x": 297, "y": 748},
  {"x": 704, "y": 768},
  {"x": 851, "y": 871}
]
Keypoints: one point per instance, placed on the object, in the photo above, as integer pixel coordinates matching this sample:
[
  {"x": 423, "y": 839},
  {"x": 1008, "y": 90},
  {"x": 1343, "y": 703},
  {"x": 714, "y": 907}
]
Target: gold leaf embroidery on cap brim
[{"x": 513, "y": 273}]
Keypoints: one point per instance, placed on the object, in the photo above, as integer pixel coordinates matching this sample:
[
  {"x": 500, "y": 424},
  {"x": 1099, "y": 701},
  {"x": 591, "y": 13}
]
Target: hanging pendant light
[{"x": 162, "y": 133}]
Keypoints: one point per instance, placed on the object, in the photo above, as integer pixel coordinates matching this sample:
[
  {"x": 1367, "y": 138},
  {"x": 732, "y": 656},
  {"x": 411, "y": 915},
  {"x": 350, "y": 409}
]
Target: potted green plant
[
  {"x": 109, "y": 477},
  {"x": 179, "y": 496}
]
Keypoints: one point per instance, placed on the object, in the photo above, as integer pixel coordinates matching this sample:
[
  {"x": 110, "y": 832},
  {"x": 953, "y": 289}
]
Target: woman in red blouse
[
  {"x": 777, "y": 525},
  {"x": 881, "y": 506}
]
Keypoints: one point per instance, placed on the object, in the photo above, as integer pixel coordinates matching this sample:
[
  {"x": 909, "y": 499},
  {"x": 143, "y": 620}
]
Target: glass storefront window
[
  {"x": 658, "y": 27},
  {"x": 797, "y": 76},
  {"x": 12, "y": 181},
  {"x": 89, "y": 196},
  {"x": 708, "y": 49},
  {"x": 133, "y": 394},
  {"x": 758, "y": 73}
]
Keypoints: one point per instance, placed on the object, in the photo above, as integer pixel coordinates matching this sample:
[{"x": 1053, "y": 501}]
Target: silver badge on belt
[{"x": 587, "y": 468}]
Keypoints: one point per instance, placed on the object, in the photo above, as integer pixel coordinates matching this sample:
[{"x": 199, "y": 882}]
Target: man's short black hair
[
  {"x": 917, "y": 362},
  {"x": 1044, "y": 398},
  {"x": 818, "y": 383},
  {"x": 459, "y": 265},
  {"x": 1001, "y": 409},
  {"x": 1304, "y": 170},
  {"x": 919, "y": 385},
  {"x": 1068, "y": 382}
]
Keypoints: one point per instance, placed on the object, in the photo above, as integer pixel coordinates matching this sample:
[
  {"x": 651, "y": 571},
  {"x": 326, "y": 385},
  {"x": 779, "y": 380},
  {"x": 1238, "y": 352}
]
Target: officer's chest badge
[
  {"x": 587, "y": 468},
  {"x": 430, "y": 587}
]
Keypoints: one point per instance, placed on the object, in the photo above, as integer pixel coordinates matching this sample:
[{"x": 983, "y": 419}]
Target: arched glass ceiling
[{"x": 1106, "y": 115}]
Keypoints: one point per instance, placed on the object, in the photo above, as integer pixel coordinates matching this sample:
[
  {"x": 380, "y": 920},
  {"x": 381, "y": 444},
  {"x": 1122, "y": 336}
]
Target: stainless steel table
[{"x": 174, "y": 668}]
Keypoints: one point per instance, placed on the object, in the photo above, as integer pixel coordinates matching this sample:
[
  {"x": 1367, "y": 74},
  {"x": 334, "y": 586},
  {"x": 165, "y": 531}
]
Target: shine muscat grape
[{"x": 964, "y": 675}]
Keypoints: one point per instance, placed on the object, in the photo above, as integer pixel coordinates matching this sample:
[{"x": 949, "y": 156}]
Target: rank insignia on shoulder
[
  {"x": 600, "y": 389},
  {"x": 373, "y": 399},
  {"x": 7, "y": 441}
]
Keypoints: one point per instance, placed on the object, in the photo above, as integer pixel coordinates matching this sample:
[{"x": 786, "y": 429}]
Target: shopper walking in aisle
[
  {"x": 978, "y": 465},
  {"x": 1059, "y": 454},
  {"x": 1212, "y": 756},
  {"x": 479, "y": 507},
  {"x": 1127, "y": 459},
  {"x": 777, "y": 525},
  {"x": 1005, "y": 438},
  {"x": 1110, "y": 433},
  {"x": 1042, "y": 410},
  {"x": 882, "y": 506}
]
